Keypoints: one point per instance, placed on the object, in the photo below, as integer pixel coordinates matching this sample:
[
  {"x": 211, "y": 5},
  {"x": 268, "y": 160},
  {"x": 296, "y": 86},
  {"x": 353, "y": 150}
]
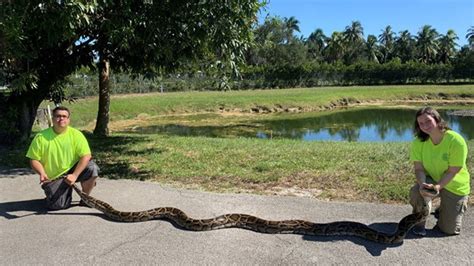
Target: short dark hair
[
  {"x": 62, "y": 108},
  {"x": 442, "y": 125}
]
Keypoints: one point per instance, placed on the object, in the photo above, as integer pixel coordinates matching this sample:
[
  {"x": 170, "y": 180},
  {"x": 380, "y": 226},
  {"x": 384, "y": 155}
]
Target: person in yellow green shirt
[
  {"x": 439, "y": 155},
  {"x": 63, "y": 151}
]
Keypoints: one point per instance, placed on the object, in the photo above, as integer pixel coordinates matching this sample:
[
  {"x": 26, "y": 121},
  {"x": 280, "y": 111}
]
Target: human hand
[
  {"x": 43, "y": 179},
  {"x": 70, "y": 179},
  {"x": 429, "y": 190}
]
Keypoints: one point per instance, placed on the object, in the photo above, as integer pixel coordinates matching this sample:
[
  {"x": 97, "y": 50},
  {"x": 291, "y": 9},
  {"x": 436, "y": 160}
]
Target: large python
[{"x": 245, "y": 221}]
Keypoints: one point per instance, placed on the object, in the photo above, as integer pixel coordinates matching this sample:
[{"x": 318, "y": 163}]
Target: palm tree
[
  {"x": 353, "y": 38},
  {"x": 335, "y": 47},
  {"x": 470, "y": 37},
  {"x": 447, "y": 46},
  {"x": 291, "y": 25},
  {"x": 386, "y": 40},
  {"x": 318, "y": 38},
  {"x": 316, "y": 43},
  {"x": 354, "y": 33},
  {"x": 427, "y": 44},
  {"x": 372, "y": 49},
  {"x": 404, "y": 46}
]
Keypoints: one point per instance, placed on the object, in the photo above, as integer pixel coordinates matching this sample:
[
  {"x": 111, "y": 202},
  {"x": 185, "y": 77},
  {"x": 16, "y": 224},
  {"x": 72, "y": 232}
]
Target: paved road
[{"x": 79, "y": 235}]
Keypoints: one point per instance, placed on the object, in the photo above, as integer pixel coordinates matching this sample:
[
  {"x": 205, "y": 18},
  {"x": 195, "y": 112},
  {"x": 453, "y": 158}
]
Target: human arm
[
  {"x": 39, "y": 169},
  {"x": 420, "y": 173},
  {"x": 421, "y": 180},
  {"x": 81, "y": 165},
  {"x": 454, "y": 157},
  {"x": 447, "y": 177}
]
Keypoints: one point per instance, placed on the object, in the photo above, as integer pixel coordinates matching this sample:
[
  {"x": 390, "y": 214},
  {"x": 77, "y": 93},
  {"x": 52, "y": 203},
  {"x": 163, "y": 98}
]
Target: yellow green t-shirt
[
  {"x": 58, "y": 152},
  {"x": 436, "y": 159}
]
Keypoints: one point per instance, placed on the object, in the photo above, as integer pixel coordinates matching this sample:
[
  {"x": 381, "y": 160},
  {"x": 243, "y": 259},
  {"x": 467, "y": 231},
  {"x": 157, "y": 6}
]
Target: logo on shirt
[{"x": 445, "y": 157}]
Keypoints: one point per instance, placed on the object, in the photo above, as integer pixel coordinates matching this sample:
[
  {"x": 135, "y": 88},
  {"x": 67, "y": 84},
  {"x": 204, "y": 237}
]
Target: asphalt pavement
[{"x": 80, "y": 235}]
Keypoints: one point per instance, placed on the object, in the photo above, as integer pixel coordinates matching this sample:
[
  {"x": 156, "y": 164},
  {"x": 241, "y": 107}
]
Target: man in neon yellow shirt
[
  {"x": 439, "y": 156},
  {"x": 63, "y": 151}
]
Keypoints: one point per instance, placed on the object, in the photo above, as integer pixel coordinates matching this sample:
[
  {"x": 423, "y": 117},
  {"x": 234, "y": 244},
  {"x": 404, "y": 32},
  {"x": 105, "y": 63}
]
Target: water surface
[
  {"x": 373, "y": 124},
  {"x": 355, "y": 124}
]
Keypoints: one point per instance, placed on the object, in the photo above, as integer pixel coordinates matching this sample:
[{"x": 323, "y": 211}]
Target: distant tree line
[{"x": 279, "y": 58}]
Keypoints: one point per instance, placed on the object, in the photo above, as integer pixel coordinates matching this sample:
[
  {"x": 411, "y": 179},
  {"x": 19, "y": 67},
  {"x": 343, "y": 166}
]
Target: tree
[
  {"x": 386, "y": 40},
  {"x": 43, "y": 43},
  {"x": 316, "y": 43},
  {"x": 335, "y": 47},
  {"x": 463, "y": 64},
  {"x": 354, "y": 33},
  {"x": 404, "y": 46},
  {"x": 272, "y": 31},
  {"x": 470, "y": 37},
  {"x": 427, "y": 44},
  {"x": 317, "y": 37},
  {"x": 291, "y": 24},
  {"x": 372, "y": 49},
  {"x": 276, "y": 44},
  {"x": 353, "y": 37},
  {"x": 38, "y": 53},
  {"x": 447, "y": 46}
]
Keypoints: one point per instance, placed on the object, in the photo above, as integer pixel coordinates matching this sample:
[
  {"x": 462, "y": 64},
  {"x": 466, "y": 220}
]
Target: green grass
[
  {"x": 378, "y": 172},
  {"x": 343, "y": 170},
  {"x": 308, "y": 99}
]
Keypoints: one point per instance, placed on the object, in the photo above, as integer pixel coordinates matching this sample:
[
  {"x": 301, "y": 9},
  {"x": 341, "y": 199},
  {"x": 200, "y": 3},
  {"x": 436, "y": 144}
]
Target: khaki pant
[{"x": 451, "y": 209}]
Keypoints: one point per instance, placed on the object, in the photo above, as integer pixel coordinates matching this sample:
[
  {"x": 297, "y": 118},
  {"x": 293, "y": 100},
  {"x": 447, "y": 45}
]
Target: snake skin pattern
[{"x": 245, "y": 221}]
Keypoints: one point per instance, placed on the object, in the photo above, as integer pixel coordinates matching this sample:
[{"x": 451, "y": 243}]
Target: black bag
[{"x": 58, "y": 194}]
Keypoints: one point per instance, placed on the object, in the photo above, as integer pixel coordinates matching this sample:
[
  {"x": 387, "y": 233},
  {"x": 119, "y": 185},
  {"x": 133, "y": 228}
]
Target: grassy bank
[
  {"x": 341, "y": 170},
  {"x": 309, "y": 99},
  {"x": 378, "y": 172}
]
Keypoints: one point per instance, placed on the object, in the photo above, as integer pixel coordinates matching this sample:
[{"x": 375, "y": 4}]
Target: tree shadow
[
  {"x": 34, "y": 207},
  {"x": 103, "y": 147},
  {"x": 14, "y": 163},
  {"x": 12, "y": 158},
  {"x": 112, "y": 143}
]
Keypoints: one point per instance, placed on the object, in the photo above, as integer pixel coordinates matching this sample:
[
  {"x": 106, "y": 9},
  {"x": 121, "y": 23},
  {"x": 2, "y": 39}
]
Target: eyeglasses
[{"x": 61, "y": 117}]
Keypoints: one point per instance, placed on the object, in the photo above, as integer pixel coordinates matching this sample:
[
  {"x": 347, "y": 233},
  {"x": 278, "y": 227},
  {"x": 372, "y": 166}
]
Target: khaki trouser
[{"x": 451, "y": 209}]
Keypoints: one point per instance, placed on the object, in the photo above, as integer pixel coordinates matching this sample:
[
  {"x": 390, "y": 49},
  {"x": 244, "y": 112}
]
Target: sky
[{"x": 375, "y": 15}]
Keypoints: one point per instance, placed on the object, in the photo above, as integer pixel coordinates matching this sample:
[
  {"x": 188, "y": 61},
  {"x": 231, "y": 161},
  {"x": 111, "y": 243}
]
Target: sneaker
[{"x": 419, "y": 230}]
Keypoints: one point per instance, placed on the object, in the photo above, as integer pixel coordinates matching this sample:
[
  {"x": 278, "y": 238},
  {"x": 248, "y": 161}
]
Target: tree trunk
[
  {"x": 18, "y": 116},
  {"x": 101, "y": 126}
]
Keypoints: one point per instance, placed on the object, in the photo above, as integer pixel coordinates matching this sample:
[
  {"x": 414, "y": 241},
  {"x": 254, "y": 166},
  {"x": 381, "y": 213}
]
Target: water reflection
[
  {"x": 359, "y": 125},
  {"x": 369, "y": 124}
]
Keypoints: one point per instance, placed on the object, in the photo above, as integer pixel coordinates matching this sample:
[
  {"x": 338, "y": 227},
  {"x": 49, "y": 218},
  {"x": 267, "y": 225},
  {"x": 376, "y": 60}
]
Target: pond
[
  {"x": 354, "y": 124},
  {"x": 372, "y": 124}
]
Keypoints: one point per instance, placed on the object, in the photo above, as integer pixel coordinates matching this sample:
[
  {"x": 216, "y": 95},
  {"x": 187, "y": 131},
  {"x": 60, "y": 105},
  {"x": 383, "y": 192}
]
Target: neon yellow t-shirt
[
  {"x": 58, "y": 152},
  {"x": 436, "y": 159}
]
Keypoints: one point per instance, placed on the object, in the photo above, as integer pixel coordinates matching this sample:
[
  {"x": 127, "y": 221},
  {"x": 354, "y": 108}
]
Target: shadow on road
[
  {"x": 33, "y": 207},
  {"x": 374, "y": 248},
  {"x": 38, "y": 207}
]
